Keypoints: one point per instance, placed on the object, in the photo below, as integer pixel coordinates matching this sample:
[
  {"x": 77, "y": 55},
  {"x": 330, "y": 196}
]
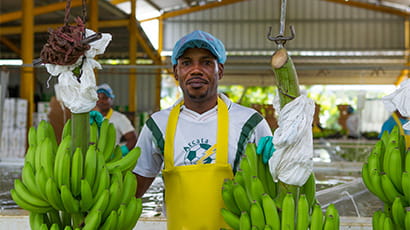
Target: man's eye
[
  {"x": 207, "y": 62},
  {"x": 185, "y": 63}
]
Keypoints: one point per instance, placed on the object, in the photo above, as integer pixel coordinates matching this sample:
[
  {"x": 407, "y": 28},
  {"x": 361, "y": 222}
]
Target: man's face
[
  {"x": 104, "y": 102},
  {"x": 198, "y": 73}
]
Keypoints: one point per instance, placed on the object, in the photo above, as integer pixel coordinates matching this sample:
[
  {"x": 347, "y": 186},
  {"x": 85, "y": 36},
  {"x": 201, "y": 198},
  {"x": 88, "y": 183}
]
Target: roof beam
[
  {"x": 11, "y": 45},
  {"x": 193, "y": 9},
  {"x": 12, "y": 16},
  {"x": 374, "y": 7}
]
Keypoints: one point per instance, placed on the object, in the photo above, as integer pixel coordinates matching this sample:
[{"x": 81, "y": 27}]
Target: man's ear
[
  {"x": 220, "y": 70},
  {"x": 174, "y": 69}
]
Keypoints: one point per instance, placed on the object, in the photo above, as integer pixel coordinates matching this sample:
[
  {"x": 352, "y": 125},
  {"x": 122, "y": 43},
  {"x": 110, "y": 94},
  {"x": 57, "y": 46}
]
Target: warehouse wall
[{"x": 319, "y": 25}]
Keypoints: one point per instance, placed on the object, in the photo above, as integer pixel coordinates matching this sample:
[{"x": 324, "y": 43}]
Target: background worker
[
  {"x": 123, "y": 126},
  {"x": 199, "y": 140}
]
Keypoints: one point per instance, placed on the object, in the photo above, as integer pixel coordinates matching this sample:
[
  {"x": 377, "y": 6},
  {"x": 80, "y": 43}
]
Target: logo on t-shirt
[{"x": 199, "y": 151}]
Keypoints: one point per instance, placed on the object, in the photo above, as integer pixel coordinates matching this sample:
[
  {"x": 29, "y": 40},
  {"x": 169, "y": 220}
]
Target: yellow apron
[
  {"x": 406, "y": 136},
  {"x": 193, "y": 192}
]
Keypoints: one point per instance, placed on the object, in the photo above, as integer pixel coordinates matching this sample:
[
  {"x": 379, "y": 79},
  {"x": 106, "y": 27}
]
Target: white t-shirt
[
  {"x": 195, "y": 134},
  {"x": 122, "y": 124}
]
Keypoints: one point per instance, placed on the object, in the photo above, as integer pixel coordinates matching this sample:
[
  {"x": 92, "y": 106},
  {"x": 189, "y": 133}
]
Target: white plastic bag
[
  {"x": 80, "y": 95},
  {"x": 292, "y": 162},
  {"x": 399, "y": 100}
]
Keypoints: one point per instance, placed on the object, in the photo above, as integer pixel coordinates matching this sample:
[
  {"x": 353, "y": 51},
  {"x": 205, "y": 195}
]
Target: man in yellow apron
[
  {"x": 198, "y": 142},
  {"x": 396, "y": 119}
]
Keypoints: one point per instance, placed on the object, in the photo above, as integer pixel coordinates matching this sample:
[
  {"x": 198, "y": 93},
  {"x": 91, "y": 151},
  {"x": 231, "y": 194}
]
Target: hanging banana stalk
[{"x": 286, "y": 80}]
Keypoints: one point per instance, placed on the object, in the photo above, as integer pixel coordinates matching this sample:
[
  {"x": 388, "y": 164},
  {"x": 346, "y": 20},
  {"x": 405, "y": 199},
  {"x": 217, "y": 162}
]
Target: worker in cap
[
  {"x": 126, "y": 135},
  {"x": 197, "y": 142}
]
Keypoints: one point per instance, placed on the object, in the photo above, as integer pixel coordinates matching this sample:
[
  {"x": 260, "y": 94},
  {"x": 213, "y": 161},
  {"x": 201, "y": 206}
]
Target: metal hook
[{"x": 280, "y": 39}]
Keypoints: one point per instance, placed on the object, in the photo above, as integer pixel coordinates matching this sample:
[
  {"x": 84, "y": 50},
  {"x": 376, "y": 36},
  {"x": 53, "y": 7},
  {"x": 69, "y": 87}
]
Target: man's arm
[
  {"x": 143, "y": 184},
  {"x": 131, "y": 139}
]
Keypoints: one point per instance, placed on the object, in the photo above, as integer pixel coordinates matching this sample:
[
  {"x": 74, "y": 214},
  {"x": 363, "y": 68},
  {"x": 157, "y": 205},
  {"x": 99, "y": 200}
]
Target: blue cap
[
  {"x": 105, "y": 89},
  {"x": 199, "y": 39}
]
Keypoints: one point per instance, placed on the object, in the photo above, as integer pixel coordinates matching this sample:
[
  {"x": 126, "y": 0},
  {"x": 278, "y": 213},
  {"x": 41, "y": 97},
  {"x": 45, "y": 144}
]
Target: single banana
[
  {"x": 288, "y": 212},
  {"x": 30, "y": 156},
  {"x": 110, "y": 142},
  {"x": 65, "y": 146},
  {"x": 52, "y": 136},
  {"x": 64, "y": 173},
  {"x": 76, "y": 171},
  {"x": 28, "y": 206},
  {"x": 405, "y": 182},
  {"x": 407, "y": 219},
  {"x": 396, "y": 169},
  {"x": 386, "y": 158},
  {"x": 44, "y": 227},
  {"x": 373, "y": 162},
  {"x": 70, "y": 204},
  {"x": 100, "y": 167},
  {"x": 90, "y": 165},
  {"x": 271, "y": 212},
  {"x": 117, "y": 154},
  {"x": 398, "y": 212},
  {"x": 47, "y": 157},
  {"x": 330, "y": 223},
  {"x": 271, "y": 185},
  {"x": 251, "y": 156},
  {"x": 134, "y": 208},
  {"x": 316, "y": 222},
  {"x": 309, "y": 189},
  {"x": 381, "y": 221},
  {"x": 42, "y": 131},
  {"x": 111, "y": 222},
  {"x": 36, "y": 220},
  {"x": 244, "y": 221},
  {"x": 53, "y": 194},
  {"x": 366, "y": 178},
  {"x": 122, "y": 214},
  {"x": 376, "y": 219},
  {"x": 241, "y": 198},
  {"x": 92, "y": 220},
  {"x": 262, "y": 167},
  {"x": 231, "y": 219},
  {"x": 332, "y": 211},
  {"x": 54, "y": 226},
  {"x": 101, "y": 202},
  {"x": 229, "y": 201},
  {"x": 37, "y": 157},
  {"x": 66, "y": 129},
  {"x": 239, "y": 178},
  {"x": 375, "y": 179},
  {"x": 29, "y": 179},
  {"x": 407, "y": 161},
  {"x": 256, "y": 214},
  {"x": 116, "y": 175},
  {"x": 302, "y": 222},
  {"x": 86, "y": 193},
  {"x": 246, "y": 174},
  {"x": 103, "y": 184},
  {"x": 257, "y": 189},
  {"x": 102, "y": 140},
  {"x": 41, "y": 181},
  {"x": 129, "y": 187},
  {"x": 32, "y": 136},
  {"x": 389, "y": 189},
  {"x": 114, "y": 201},
  {"x": 128, "y": 162},
  {"x": 388, "y": 223},
  {"x": 93, "y": 133}
]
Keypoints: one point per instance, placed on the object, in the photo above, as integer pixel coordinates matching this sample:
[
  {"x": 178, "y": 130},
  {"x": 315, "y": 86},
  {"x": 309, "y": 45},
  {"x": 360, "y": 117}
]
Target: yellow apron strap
[
  {"x": 222, "y": 135},
  {"x": 109, "y": 114},
  {"x": 169, "y": 136},
  {"x": 397, "y": 120}
]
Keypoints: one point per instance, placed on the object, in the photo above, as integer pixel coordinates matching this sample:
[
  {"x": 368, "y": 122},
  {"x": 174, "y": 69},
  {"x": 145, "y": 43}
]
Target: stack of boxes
[{"x": 14, "y": 128}]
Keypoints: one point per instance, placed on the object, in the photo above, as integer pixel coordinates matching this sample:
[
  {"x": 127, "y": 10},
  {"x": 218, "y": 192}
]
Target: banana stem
[
  {"x": 288, "y": 87},
  {"x": 80, "y": 131}
]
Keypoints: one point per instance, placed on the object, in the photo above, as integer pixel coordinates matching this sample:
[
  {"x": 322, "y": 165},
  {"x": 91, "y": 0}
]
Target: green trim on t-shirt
[
  {"x": 156, "y": 132},
  {"x": 247, "y": 129}
]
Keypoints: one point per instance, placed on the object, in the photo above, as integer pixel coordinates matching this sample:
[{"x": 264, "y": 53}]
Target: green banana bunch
[
  {"x": 386, "y": 175},
  {"x": 64, "y": 187},
  {"x": 253, "y": 200}
]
